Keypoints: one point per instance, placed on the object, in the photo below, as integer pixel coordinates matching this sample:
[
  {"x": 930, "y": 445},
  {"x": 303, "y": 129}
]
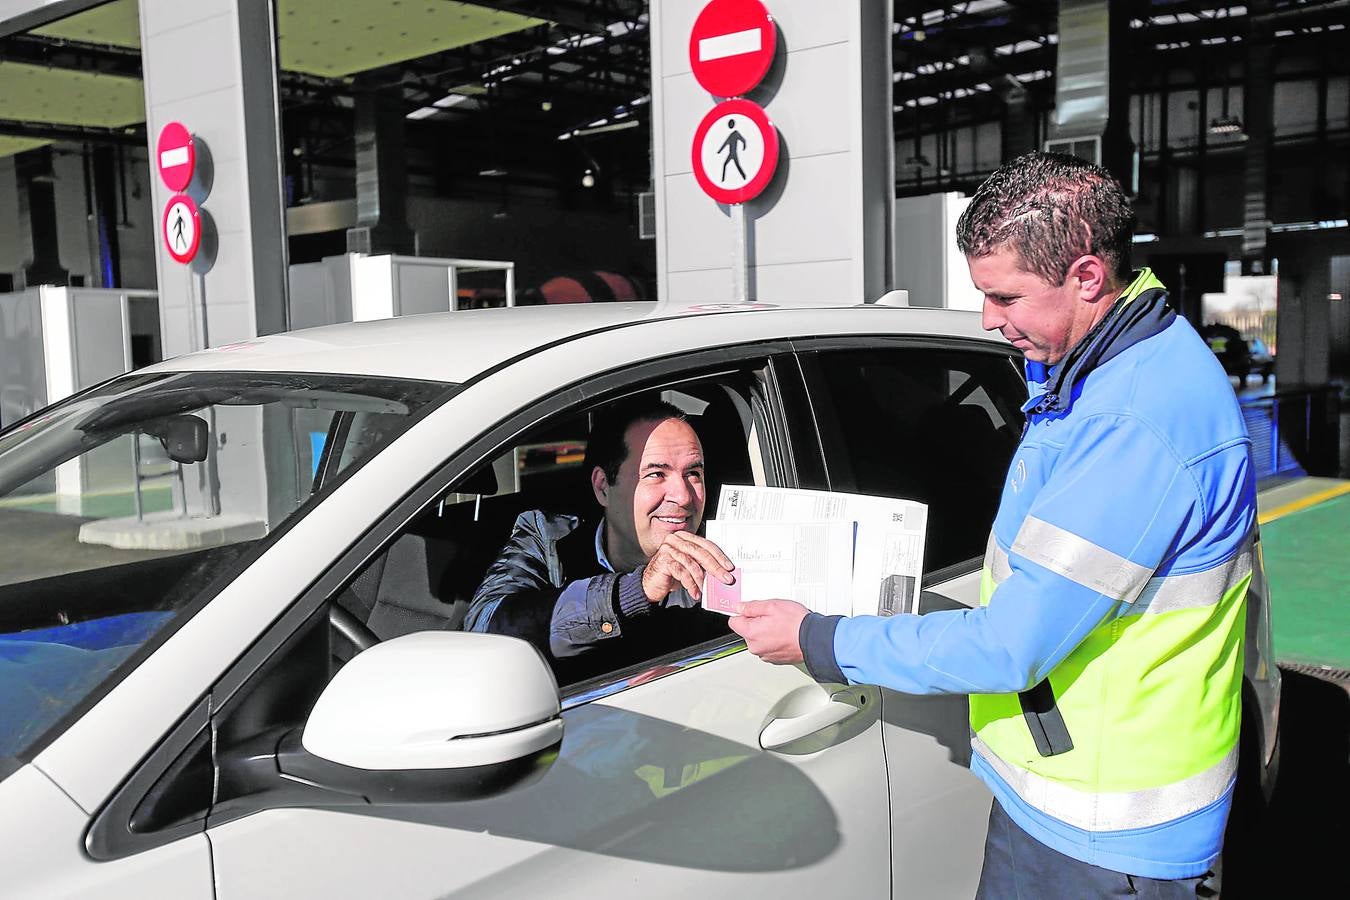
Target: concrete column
[
  {"x": 821, "y": 231},
  {"x": 211, "y": 64}
]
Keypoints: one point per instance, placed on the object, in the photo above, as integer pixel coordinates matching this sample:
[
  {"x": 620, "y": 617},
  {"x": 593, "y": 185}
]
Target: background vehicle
[
  {"x": 198, "y": 644},
  {"x": 1238, "y": 355},
  {"x": 1262, "y": 362}
]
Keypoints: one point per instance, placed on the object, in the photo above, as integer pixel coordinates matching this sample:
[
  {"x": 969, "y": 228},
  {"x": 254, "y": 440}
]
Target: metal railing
[{"x": 1294, "y": 432}]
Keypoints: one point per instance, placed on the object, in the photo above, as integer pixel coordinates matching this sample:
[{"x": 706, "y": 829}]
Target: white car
[{"x": 231, "y": 587}]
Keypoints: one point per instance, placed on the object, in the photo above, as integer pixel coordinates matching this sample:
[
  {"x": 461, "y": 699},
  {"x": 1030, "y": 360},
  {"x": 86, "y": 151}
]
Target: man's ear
[
  {"x": 1094, "y": 278},
  {"x": 600, "y": 485}
]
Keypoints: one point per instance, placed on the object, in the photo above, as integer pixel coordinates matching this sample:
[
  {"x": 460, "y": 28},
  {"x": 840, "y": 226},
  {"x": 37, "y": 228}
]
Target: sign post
[{"x": 735, "y": 148}]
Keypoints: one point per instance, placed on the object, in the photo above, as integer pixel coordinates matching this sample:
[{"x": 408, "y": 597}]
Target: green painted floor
[{"x": 1307, "y": 555}]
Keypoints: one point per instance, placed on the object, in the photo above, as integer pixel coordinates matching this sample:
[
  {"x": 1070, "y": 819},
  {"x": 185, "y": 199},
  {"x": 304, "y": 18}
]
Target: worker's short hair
[
  {"x": 606, "y": 446},
  {"x": 1050, "y": 209}
]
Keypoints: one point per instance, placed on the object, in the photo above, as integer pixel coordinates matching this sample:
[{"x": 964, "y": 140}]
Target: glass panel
[{"x": 125, "y": 508}]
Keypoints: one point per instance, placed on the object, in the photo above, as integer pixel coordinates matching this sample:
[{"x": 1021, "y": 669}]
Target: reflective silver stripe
[
  {"x": 1119, "y": 810},
  {"x": 996, "y": 561},
  {"x": 1194, "y": 590},
  {"x": 1080, "y": 560}
]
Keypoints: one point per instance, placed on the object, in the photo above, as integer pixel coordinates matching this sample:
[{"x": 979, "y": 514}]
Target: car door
[
  {"x": 935, "y": 422},
  {"x": 662, "y": 785}
]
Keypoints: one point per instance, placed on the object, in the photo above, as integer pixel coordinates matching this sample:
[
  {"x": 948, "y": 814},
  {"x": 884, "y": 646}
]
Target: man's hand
[
  {"x": 681, "y": 561},
  {"x": 770, "y": 629}
]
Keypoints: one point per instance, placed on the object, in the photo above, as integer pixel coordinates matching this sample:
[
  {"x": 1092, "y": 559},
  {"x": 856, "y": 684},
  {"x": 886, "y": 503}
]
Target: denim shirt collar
[{"x": 600, "y": 556}]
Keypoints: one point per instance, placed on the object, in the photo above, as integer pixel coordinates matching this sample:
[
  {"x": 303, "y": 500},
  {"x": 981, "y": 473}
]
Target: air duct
[{"x": 1091, "y": 87}]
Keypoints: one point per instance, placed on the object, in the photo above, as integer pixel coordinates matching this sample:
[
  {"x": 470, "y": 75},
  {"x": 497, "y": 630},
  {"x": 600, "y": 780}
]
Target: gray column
[
  {"x": 211, "y": 64},
  {"x": 821, "y": 231}
]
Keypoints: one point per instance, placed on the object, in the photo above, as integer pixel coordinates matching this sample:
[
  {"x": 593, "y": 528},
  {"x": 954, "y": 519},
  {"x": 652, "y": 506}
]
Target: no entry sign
[
  {"x": 731, "y": 46},
  {"x": 735, "y": 151},
  {"x": 175, "y": 156},
  {"x": 182, "y": 228}
]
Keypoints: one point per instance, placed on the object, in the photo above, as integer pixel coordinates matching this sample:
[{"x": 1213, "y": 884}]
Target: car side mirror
[
  {"x": 430, "y": 717},
  {"x": 423, "y": 718}
]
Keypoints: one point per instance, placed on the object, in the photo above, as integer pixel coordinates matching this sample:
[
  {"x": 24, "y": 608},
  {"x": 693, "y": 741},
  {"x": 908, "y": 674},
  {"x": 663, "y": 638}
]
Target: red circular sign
[
  {"x": 731, "y": 46},
  {"x": 182, "y": 228},
  {"x": 175, "y": 156},
  {"x": 735, "y": 151}
]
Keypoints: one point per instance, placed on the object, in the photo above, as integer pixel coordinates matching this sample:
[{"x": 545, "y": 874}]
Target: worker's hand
[
  {"x": 681, "y": 561},
  {"x": 771, "y": 628}
]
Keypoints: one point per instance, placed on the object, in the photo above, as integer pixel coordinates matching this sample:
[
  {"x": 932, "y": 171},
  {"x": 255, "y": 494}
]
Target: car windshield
[{"x": 127, "y": 507}]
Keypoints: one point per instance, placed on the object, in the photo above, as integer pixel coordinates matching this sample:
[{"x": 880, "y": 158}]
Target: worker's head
[
  {"x": 646, "y": 465},
  {"x": 1047, "y": 238}
]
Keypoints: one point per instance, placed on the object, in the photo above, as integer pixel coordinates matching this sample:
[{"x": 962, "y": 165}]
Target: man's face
[
  {"x": 1042, "y": 320},
  {"x": 659, "y": 490}
]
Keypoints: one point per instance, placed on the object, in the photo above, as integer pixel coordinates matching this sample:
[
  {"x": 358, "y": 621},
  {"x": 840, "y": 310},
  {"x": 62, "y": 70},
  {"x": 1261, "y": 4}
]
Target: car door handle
[{"x": 836, "y": 708}]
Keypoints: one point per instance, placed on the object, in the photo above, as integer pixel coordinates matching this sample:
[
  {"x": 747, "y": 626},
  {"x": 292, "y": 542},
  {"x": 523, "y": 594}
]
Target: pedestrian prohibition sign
[
  {"x": 731, "y": 46},
  {"x": 175, "y": 156},
  {"x": 182, "y": 228},
  {"x": 735, "y": 151}
]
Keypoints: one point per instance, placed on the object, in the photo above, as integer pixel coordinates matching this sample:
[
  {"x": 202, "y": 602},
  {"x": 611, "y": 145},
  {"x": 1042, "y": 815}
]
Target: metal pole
[
  {"x": 1275, "y": 435},
  {"x": 740, "y": 266},
  {"x": 136, "y": 474}
]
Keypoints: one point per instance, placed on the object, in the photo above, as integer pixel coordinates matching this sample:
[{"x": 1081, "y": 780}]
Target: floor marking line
[{"x": 1303, "y": 503}]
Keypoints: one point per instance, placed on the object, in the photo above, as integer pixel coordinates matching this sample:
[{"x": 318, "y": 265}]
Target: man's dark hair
[
  {"x": 606, "y": 447},
  {"x": 1050, "y": 209}
]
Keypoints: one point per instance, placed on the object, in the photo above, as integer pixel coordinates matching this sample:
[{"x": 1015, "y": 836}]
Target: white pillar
[{"x": 821, "y": 231}]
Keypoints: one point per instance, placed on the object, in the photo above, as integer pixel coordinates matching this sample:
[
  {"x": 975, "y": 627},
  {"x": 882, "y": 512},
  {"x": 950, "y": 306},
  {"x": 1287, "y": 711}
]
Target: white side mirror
[{"x": 437, "y": 700}]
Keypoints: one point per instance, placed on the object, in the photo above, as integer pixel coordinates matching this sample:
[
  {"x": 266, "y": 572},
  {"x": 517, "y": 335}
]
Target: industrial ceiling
[{"x": 505, "y": 84}]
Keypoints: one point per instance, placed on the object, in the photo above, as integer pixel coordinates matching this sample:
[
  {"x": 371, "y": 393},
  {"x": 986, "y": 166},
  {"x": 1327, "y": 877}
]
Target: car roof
[{"x": 458, "y": 346}]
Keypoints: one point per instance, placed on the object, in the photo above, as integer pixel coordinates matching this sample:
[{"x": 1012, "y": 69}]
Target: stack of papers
[{"x": 836, "y": 554}]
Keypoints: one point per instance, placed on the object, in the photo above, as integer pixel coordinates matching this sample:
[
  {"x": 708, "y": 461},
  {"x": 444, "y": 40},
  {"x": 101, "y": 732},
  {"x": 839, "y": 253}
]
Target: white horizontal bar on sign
[
  {"x": 733, "y": 44},
  {"x": 178, "y": 156}
]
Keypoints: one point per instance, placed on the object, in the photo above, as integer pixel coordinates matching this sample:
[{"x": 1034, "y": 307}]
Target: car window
[
  {"x": 427, "y": 576},
  {"x": 124, "y": 508},
  {"x": 938, "y": 426}
]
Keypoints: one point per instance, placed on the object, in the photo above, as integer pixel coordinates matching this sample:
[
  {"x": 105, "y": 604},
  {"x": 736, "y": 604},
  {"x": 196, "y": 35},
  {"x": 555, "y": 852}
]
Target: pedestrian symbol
[
  {"x": 179, "y": 242},
  {"x": 729, "y": 145},
  {"x": 735, "y": 151}
]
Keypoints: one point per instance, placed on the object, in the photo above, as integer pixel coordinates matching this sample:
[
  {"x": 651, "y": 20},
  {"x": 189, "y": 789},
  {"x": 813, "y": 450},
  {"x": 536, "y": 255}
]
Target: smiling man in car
[
  {"x": 595, "y": 596},
  {"x": 1105, "y": 661}
]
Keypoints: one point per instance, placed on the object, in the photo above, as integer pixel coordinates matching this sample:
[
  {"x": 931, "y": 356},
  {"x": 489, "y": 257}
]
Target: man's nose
[
  {"x": 991, "y": 316},
  {"x": 679, "y": 491}
]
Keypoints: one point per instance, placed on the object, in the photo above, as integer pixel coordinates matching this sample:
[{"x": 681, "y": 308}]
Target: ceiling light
[
  {"x": 492, "y": 173},
  {"x": 601, "y": 129},
  {"x": 588, "y": 180}
]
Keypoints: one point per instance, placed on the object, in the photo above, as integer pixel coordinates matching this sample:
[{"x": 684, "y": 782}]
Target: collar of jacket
[{"x": 1140, "y": 312}]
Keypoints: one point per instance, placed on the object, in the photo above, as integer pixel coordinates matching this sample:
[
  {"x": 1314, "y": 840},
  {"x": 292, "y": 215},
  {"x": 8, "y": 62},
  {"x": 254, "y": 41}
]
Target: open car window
[
  {"x": 125, "y": 508},
  {"x": 427, "y": 576}
]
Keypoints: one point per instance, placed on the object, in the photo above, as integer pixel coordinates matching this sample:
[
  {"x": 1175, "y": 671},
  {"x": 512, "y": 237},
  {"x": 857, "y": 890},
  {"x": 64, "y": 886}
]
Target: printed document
[{"x": 888, "y": 540}]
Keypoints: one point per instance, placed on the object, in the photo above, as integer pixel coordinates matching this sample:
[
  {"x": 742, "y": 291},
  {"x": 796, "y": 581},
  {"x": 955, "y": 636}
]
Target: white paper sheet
[
  {"x": 888, "y": 547},
  {"x": 810, "y": 562}
]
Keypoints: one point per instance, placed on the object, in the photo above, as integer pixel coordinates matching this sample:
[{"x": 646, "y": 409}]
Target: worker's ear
[
  {"x": 1093, "y": 277},
  {"x": 600, "y": 485}
]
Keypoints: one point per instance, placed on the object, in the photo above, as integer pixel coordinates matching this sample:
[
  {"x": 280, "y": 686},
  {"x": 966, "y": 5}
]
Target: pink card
[{"x": 722, "y": 598}]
